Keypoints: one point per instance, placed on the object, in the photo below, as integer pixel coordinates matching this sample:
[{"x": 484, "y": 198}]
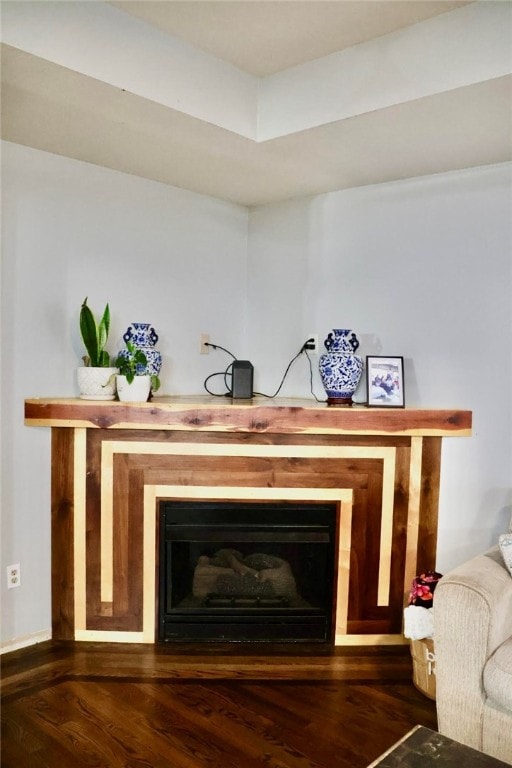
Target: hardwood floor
[{"x": 83, "y": 705}]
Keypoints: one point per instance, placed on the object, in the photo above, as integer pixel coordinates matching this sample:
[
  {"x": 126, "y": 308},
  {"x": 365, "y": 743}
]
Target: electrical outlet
[
  {"x": 13, "y": 576},
  {"x": 312, "y": 346},
  {"x": 204, "y": 349}
]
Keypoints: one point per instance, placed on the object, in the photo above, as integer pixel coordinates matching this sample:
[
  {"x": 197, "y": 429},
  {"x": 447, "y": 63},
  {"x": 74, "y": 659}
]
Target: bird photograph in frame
[{"x": 385, "y": 382}]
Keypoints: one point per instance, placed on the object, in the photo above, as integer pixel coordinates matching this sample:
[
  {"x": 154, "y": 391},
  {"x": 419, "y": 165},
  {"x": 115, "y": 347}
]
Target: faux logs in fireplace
[{"x": 242, "y": 571}]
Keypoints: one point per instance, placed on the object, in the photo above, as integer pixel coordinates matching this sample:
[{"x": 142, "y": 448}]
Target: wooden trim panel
[
  {"x": 115, "y": 526},
  {"x": 63, "y": 522}
]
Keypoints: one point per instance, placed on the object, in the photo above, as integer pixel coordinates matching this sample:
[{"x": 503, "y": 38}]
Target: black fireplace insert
[{"x": 246, "y": 571}]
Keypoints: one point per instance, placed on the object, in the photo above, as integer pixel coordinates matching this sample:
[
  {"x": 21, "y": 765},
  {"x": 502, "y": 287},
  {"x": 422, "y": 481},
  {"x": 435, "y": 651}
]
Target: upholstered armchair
[{"x": 473, "y": 649}]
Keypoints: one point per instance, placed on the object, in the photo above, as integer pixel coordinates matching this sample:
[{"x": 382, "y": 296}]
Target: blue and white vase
[
  {"x": 340, "y": 368},
  {"x": 144, "y": 337}
]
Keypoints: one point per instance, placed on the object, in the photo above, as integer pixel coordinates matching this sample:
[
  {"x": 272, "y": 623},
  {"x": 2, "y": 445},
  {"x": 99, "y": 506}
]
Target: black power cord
[
  {"x": 285, "y": 374},
  {"x": 217, "y": 346},
  {"x": 224, "y": 373},
  {"x": 311, "y": 377}
]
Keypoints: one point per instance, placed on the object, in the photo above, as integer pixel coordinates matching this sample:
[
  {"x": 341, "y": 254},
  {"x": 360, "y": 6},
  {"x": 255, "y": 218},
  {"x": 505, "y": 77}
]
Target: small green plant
[
  {"x": 94, "y": 336},
  {"x": 133, "y": 363}
]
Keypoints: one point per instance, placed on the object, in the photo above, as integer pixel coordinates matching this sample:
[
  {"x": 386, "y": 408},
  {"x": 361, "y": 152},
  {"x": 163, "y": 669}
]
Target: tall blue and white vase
[
  {"x": 143, "y": 336},
  {"x": 340, "y": 368}
]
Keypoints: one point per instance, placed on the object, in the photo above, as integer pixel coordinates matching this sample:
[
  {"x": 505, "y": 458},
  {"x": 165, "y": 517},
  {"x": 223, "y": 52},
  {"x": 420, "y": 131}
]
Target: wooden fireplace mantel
[
  {"x": 258, "y": 415},
  {"x": 112, "y": 462}
]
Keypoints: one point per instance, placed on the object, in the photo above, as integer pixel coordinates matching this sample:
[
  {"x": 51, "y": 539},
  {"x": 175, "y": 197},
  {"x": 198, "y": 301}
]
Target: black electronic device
[{"x": 241, "y": 381}]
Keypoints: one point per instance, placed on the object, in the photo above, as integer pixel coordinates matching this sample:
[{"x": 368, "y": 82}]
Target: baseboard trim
[{"x": 25, "y": 640}]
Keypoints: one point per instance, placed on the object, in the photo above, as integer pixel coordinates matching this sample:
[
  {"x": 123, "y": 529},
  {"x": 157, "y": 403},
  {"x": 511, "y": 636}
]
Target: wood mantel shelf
[
  {"x": 113, "y": 463},
  {"x": 258, "y": 415}
]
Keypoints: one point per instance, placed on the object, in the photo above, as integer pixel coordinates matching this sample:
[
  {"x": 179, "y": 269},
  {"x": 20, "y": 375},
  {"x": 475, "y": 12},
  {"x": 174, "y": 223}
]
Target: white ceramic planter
[
  {"x": 136, "y": 392},
  {"x": 96, "y": 383}
]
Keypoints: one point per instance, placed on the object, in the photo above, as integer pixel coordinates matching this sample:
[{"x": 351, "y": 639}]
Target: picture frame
[{"x": 385, "y": 382}]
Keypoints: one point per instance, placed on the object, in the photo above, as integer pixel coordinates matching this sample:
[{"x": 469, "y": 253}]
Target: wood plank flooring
[{"x": 82, "y": 705}]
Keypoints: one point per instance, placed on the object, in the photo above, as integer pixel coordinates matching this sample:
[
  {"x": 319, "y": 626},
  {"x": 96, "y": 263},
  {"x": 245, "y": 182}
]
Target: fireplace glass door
[{"x": 240, "y": 571}]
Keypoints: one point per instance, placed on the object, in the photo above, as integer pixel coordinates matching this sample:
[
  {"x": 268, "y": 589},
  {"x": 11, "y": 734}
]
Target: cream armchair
[{"x": 473, "y": 649}]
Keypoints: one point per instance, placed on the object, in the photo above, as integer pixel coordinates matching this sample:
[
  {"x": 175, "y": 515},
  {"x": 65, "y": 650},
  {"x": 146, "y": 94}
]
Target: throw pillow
[
  {"x": 505, "y": 542},
  {"x": 418, "y": 622}
]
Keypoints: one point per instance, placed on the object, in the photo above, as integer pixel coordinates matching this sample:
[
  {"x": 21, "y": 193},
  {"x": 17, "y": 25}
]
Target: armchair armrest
[{"x": 472, "y": 617}]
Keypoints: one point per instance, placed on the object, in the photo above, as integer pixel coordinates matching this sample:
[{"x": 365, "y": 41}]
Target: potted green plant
[
  {"x": 95, "y": 377},
  {"x": 134, "y": 383}
]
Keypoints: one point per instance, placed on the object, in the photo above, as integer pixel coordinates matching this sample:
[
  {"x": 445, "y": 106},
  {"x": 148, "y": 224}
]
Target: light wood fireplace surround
[{"x": 112, "y": 462}]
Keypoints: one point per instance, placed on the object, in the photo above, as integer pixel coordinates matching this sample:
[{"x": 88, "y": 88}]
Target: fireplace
[
  {"x": 246, "y": 571},
  {"x": 113, "y": 463}
]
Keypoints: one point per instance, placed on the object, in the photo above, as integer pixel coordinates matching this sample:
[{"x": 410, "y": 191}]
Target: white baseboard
[{"x": 25, "y": 640}]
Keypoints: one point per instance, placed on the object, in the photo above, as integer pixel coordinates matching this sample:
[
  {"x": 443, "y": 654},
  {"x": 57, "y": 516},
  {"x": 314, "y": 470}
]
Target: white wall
[
  {"x": 420, "y": 268},
  {"x": 157, "y": 254}
]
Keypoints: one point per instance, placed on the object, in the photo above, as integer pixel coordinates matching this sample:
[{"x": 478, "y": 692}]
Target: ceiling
[
  {"x": 64, "y": 110},
  {"x": 263, "y": 38}
]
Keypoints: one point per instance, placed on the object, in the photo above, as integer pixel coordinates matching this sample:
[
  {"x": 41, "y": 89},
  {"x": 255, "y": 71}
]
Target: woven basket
[{"x": 424, "y": 666}]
